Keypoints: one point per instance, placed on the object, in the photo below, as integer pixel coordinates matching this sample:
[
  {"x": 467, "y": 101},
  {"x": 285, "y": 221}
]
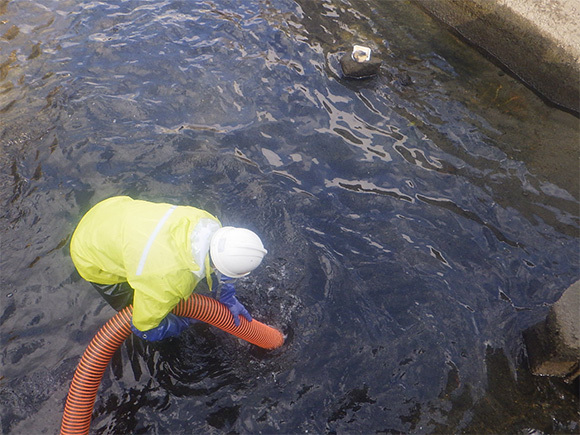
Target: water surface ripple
[{"x": 416, "y": 222}]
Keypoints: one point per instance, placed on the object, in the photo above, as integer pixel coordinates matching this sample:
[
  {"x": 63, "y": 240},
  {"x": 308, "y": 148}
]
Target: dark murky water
[{"x": 416, "y": 222}]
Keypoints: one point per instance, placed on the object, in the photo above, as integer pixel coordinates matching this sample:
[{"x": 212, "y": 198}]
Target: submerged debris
[{"x": 359, "y": 63}]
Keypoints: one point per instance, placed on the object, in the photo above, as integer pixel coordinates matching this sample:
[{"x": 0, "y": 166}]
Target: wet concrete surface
[{"x": 537, "y": 41}]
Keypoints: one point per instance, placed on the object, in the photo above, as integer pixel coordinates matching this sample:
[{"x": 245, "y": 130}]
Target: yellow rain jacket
[{"x": 161, "y": 250}]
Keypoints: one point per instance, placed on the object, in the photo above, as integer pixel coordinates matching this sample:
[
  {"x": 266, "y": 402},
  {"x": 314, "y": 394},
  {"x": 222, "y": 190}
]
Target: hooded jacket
[{"x": 161, "y": 250}]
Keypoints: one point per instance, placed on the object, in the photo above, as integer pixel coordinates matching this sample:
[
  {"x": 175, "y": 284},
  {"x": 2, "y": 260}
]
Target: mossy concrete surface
[{"x": 538, "y": 41}]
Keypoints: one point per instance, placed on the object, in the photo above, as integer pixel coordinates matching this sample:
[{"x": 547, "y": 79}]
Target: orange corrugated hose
[{"x": 87, "y": 378}]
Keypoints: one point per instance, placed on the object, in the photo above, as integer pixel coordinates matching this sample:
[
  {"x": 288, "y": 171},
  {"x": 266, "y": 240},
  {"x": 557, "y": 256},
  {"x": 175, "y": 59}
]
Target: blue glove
[
  {"x": 228, "y": 298},
  {"x": 170, "y": 326}
]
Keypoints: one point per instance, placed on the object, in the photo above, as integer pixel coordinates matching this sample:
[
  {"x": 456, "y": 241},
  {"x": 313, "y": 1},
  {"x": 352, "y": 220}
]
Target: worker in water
[{"x": 153, "y": 255}]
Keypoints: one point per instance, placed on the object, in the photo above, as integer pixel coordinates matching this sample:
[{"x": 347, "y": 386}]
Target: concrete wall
[
  {"x": 554, "y": 344},
  {"x": 537, "y": 40}
]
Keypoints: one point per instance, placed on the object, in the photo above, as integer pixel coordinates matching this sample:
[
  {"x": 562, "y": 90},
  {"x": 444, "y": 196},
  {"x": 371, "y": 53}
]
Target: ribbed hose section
[
  {"x": 215, "y": 313},
  {"x": 83, "y": 389},
  {"x": 87, "y": 378}
]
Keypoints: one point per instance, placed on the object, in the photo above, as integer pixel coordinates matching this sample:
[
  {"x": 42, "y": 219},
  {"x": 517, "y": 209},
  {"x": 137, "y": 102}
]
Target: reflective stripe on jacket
[{"x": 162, "y": 250}]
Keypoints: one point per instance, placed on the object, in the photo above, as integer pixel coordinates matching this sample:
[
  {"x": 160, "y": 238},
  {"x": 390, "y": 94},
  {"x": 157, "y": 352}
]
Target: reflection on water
[{"x": 416, "y": 223}]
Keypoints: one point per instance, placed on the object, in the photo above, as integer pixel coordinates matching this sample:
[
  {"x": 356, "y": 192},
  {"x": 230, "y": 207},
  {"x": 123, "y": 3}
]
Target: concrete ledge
[
  {"x": 538, "y": 41},
  {"x": 554, "y": 345}
]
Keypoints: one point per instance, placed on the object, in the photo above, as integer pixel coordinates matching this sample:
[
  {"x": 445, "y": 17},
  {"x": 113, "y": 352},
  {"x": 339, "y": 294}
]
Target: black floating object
[{"x": 359, "y": 64}]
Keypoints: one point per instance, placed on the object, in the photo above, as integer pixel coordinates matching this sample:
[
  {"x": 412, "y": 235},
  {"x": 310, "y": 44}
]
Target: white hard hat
[{"x": 235, "y": 252}]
